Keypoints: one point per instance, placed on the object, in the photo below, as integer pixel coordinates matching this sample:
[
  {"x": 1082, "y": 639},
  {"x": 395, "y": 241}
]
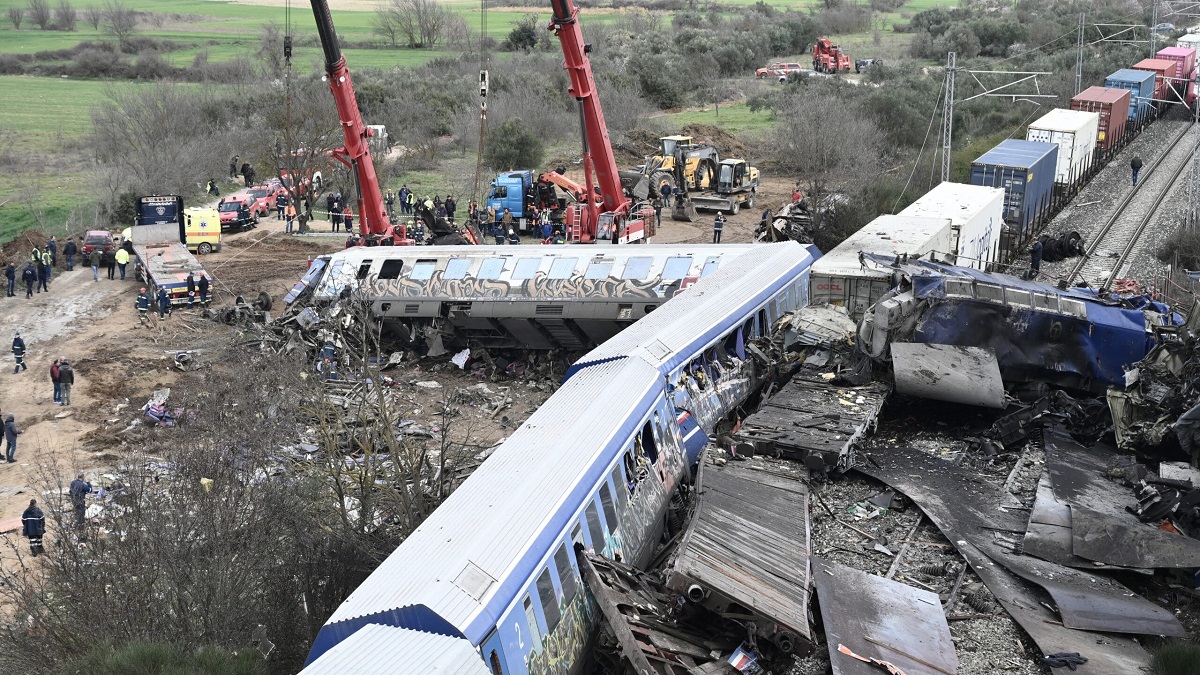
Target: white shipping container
[
  {"x": 838, "y": 278},
  {"x": 976, "y": 214},
  {"x": 1189, "y": 41},
  {"x": 1074, "y": 132}
]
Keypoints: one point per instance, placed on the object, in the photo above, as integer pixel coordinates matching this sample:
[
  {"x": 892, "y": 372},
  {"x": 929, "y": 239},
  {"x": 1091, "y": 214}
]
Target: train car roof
[
  {"x": 708, "y": 309},
  {"x": 461, "y": 569},
  {"x": 387, "y": 650},
  {"x": 358, "y": 254}
]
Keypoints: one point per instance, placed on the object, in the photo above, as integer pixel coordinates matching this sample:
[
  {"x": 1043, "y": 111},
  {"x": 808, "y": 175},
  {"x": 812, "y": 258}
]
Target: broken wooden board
[
  {"x": 815, "y": 422},
  {"x": 882, "y": 619},
  {"x": 746, "y": 550},
  {"x": 967, "y": 375}
]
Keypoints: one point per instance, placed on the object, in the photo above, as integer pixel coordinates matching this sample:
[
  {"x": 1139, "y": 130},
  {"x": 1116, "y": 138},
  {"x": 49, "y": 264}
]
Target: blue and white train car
[
  {"x": 698, "y": 340},
  {"x": 492, "y": 571}
]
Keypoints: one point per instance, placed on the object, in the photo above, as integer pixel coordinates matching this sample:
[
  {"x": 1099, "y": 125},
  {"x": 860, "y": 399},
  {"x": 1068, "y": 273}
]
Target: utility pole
[
  {"x": 948, "y": 115},
  {"x": 1079, "y": 56},
  {"x": 1154, "y": 30}
]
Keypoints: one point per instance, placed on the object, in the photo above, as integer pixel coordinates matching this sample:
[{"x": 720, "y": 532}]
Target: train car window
[
  {"x": 494, "y": 659},
  {"x": 545, "y": 588},
  {"x": 423, "y": 270},
  {"x": 710, "y": 266},
  {"x": 391, "y": 269},
  {"x": 566, "y": 574},
  {"x": 577, "y": 534},
  {"x": 631, "y": 469},
  {"x": 456, "y": 268},
  {"x": 363, "y": 269},
  {"x": 610, "y": 511},
  {"x": 637, "y": 268},
  {"x": 527, "y": 268},
  {"x": 535, "y": 635},
  {"x": 764, "y": 326},
  {"x": 595, "y": 529},
  {"x": 491, "y": 268},
  {"x": 599, "y": 270},
  {"x": 649, "y": 448},
  {"x": 562, "y": 268},
  {"x": 676, "y": 268},
  {"x": 621, "y": 488}
]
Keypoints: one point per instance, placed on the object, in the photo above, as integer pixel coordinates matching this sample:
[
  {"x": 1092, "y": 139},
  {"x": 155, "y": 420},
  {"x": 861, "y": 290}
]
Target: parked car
[
  {"x": 862, "y": 64},
  {"x": 264, "y": 199},
  {"x": 101, "y": 239},
  {"x": 1164, "y": 28},
  {"x": 238, "y": 212},
  {"x": 778, "y": 70}
]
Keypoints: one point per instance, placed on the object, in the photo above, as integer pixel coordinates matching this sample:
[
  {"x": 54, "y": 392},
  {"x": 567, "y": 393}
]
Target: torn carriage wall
[{"x": 1074, "y": 338}]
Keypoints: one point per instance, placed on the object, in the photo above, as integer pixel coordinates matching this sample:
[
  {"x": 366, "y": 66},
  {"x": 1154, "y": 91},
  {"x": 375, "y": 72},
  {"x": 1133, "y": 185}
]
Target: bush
[
  {"x": 523, "y": 37},
  {"x": 1185, "y": 243},
  {"x": 158, "y": 659},
  {"x": 98, "y": 63},
  {"x": 1176, "y": 658},
  {"x": 10, "y": 64},
  {"x": 513, "y": 145}
]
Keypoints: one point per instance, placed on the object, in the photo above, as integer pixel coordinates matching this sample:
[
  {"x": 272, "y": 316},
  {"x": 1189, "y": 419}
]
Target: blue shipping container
[
  {"x": 1025, "y": 169},
  {"x": 1140, "y": 83}
]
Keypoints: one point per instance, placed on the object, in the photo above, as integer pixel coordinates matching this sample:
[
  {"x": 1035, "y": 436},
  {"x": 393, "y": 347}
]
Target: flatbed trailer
[{"x": 162, "y": 261}]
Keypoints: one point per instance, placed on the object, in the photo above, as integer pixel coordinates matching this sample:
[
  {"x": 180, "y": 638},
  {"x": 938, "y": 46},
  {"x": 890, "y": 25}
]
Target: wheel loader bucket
[{"x": 685, "y": 213}]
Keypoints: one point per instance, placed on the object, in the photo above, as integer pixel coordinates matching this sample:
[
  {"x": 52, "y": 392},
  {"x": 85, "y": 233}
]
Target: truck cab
[{"x": 510, "y": 191}]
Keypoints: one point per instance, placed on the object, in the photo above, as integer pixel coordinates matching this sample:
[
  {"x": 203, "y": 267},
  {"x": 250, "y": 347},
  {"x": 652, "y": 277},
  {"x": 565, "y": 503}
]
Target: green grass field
[{"x": 736, "y": 118}]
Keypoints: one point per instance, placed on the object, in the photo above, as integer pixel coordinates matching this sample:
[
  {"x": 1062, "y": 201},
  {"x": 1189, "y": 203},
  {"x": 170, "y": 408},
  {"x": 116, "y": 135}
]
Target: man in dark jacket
[
  {"x": 33, "y": 526},
  {"x": 233, "y": 166},
  {"x": 191, "y": 282},
  {"x": 29, "y": 276},
  {"x": 10, "y": 274},
  {"x": 94, "y": 261},
  {"x": 52, "y": 247},
  {"x": 1136, "y": 165},
  {"x": 69, "y": 251},
  {"x": 202, "y": 288},
  {"x": 10, "y": 438},
  {"x": 18, "y": 350},
  {"x": 79, "y": 491},
  {"x": 55, "y": 381},
  {"x": 451, "y": 207},
  {"x": 66, "y": 380},
  {"x": 110, "y": 260},
  {"x": 164, "y": 304},
  {"x": 43, "y": 277}
]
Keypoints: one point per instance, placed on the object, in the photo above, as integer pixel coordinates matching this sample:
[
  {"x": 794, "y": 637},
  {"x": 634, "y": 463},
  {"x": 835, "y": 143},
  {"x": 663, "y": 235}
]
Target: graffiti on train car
[
  {"x": 565, "y": 645},
  {"x": 710, "y": 392},
  {"x": 539, "y": 287}
]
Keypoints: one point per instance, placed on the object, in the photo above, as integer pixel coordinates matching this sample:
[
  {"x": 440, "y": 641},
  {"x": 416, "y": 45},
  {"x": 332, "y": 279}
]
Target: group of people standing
[
  {"x": 37, "y": 271},
  {"x": 197, "y": 293}
]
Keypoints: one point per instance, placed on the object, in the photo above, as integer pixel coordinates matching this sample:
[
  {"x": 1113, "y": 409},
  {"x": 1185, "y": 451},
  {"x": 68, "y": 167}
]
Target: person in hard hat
[{"x": 143, "y": 306}]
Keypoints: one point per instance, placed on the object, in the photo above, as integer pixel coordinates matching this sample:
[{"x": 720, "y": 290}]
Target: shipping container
[
  {"x": 1163, "y": 72},
  {"x": 840, "y": 278},
  {"x": 1185, "y": 63},
  {"x": 1025, "y": 169},
  {"x": 1189, "y": 41},
  {"x": 1140, "y": 83},
  {"x": 1074, "y": 132},
  {"x": 1112, "y": 105},
  {"x": 976, "y": 216}
]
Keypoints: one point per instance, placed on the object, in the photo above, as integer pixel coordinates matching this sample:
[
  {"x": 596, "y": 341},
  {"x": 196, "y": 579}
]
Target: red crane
[
  {"x": 374, "y": 226},
  {"x": 609, "y": 216}
]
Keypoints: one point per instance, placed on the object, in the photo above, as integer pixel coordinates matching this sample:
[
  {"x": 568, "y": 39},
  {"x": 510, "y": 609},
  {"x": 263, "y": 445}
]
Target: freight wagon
[
  {"x": 976, "y": 216},
  {"x": 1112, "y": 106},
  {"x": 1164, "y": 71},
  {"x": 1074, "y": 132},
  {"x": 1025, "y": 169}
]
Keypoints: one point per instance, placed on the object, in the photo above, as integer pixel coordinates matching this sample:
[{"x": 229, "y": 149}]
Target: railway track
[{"x": 1106, "y": 255}]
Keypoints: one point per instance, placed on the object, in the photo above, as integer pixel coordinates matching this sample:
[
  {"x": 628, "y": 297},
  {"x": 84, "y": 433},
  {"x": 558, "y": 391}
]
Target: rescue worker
[
  {"x": 718, "y": 226},
  {"x": 48, "y": 261},
  {"x": 143, "y": 306},
  {"x": 35, "y": 256},
  {"x": 1035, "y": 258},
  {"x": 191, "y": 283},
  {"x": 18, "y": 350},
  {"x": 410, "y": 201},
  {"x": 390, "y": 200},
  {"x": 164, "y": 304},
  {"x": 203, "y": 289},
  {"x": 10, "y": 274},
  {"x": 348, "y": 218},
  {"x": 29, "y": 276},
  {"x": 122, "y": 258},
  {"x": 52, "y": 247},
  {"x": 33, "y": 527},
  {"x": 281, "y": 204},
  {"x": 43, "y": 275},
  {"x": 212, "y": 188},
  {"x": 290, "y": 214},
  {"x": 1136, "y": 165},
  {"x": 94, "y": 261},
  {"x": 66, "y": 380},
  {"x": 403, "y": 197},
  {"x": 79, "y": 491},
  {"x": 69, "y": 251},
  {"x": 10, "y": 438}
]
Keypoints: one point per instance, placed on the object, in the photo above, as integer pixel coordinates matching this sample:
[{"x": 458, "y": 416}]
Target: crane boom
[
  {"x": 609, "y": 216},
  {"x": 374, "y": 225}
]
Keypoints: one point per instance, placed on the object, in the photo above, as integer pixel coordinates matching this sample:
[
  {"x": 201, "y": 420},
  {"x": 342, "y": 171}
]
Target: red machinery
[
  {"x": 606, "y": 216},
  {"x": 374, "y": 226},
  {"x": 829, "y": 58}
]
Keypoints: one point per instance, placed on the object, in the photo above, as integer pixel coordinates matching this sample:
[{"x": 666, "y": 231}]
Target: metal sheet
[
  {"x": 1048, "y": 535},
  {"x": 969, "y": 375},
  {"x": 965, "y": 508},
  {"x": 856, "y": 605}
]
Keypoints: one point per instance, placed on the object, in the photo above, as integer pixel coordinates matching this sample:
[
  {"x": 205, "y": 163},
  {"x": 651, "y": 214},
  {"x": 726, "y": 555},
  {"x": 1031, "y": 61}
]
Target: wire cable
[{"x": 928, "y": 130}]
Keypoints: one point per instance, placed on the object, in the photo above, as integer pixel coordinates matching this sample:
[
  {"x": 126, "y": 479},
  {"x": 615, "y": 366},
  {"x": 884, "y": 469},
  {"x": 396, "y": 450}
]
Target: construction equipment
[
  {"x": 736, "y": 186},
  {"x": 608, "y": 215},
  {"x": 699, "y": 166},
  {"x": 374, "y": 226},
  {"x": 829, "y": 58}
]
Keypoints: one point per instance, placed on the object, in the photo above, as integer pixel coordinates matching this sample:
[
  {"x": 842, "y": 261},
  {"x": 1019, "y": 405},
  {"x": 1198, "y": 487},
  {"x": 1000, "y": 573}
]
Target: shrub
[
  {"x": 10, "y": 64},
  {"x": 513, "y": 145},
  {"x": 1175, "y": 658}
]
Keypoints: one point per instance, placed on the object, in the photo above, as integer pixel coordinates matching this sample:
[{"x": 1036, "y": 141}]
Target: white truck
[{"x": 163, "y": 261}]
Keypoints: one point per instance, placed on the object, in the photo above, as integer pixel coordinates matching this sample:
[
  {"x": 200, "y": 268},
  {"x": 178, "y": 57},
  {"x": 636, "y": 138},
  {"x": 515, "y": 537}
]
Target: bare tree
[
  {"x": 120, "y": 21},
  {"x": 39, "y": 13},
  {"x": 93, "y": 15},
  {"x": 385, "y": 25},
  {"x": 845, "y": 149},
  {"x": 65, "y": 16},
  {"x": 16, "y": 15},
  {"x": 420, "y": 22}
]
